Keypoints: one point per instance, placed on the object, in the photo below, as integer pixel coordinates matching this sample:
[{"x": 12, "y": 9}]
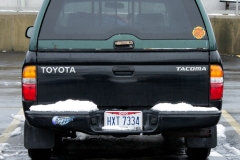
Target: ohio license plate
[{"x": 131, "y": 120}]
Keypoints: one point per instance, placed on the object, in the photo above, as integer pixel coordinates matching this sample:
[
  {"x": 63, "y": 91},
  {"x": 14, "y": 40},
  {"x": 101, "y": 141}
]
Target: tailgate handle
[
  {"x": 123, "y": 44},
  {"x": 123, "y": 71}
]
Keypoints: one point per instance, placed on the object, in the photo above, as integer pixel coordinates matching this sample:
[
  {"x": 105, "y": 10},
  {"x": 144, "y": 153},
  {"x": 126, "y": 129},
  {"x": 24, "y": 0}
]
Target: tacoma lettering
[{"x": 191, "y": 69}]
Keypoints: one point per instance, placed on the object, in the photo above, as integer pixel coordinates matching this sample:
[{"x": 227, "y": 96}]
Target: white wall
[
  {"x": 8, "y": 3},
  {"x": 210, "y": 5},
  {"x": 34, "y": 3},
  {"x": 13, "y": 3},
  {"x": 214, "y": 5}
]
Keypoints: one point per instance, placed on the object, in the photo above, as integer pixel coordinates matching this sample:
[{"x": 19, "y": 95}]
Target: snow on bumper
[{"x": 154, "y": 122}]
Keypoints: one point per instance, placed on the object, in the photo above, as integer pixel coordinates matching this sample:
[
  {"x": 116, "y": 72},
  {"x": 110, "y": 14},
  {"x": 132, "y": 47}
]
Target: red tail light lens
[
  {"x": 216, "y": 91},
  {"x": 29, "y": 89},
  {"x": 29, "y": 92},
  {"x": 216, "y": 86}
]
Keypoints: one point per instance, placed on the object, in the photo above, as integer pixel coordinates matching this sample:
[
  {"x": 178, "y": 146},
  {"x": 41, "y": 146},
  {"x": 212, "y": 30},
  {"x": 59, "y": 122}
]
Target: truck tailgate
[{"x": 124, "y": 80}]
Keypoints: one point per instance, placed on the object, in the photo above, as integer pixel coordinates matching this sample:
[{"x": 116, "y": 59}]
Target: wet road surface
[{"x": 108, "y": 147}]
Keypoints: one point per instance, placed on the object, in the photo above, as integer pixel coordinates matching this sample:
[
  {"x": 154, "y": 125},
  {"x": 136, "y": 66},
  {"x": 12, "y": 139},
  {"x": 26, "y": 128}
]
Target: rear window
[{"x": 101, "y": 19}]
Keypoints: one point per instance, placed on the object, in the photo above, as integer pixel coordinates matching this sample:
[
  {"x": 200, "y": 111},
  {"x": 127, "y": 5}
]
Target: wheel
[
  {"x": 198, "y": 153},
  {"x": 37, "y": 154}
]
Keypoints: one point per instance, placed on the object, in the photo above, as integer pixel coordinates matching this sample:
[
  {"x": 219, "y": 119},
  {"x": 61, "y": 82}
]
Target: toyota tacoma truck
[{"x": 146, "y": 67}]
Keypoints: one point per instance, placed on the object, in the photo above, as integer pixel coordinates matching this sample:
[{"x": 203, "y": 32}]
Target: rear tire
[
  {"x": 198, "y": 153},
  {"x": 39, "y": 154}
]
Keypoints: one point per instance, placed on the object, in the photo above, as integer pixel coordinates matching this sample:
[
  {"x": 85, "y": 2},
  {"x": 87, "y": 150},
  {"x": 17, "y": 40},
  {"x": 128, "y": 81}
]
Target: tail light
[
  {"x": 29, "y": 89},
  {"x": 216, "y": 86}
]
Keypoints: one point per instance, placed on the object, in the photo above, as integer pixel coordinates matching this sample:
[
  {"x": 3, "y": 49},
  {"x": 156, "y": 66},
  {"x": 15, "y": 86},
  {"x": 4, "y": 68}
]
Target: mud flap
[
  {"x": 194, "y": 142},
  {"x": 38, "y": 138}
]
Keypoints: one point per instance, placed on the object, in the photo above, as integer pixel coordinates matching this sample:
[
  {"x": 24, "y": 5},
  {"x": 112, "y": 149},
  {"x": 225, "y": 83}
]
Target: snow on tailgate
[
  {"x": 66, "y": 106},
  {"x": 181, "y": 107}
]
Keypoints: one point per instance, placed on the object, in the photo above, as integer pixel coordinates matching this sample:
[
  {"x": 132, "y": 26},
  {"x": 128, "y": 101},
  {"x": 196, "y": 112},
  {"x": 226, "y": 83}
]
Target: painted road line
[
  {"x": 12, "y": 126},
  {"x": 231, "y": 121}
]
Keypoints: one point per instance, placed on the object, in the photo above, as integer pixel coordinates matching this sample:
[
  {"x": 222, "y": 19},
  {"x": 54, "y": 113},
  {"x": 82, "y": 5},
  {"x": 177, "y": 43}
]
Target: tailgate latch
[
  {"x": 123, "y": 71},
  {"x": 123, "y": 44}
]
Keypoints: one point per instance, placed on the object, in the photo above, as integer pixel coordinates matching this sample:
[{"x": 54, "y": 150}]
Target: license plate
[{"x": 130, "y": 120}]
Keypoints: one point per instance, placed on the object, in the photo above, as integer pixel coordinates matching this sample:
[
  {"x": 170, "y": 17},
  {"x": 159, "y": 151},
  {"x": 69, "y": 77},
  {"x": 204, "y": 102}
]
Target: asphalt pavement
[{"x": 108, "y": 147}]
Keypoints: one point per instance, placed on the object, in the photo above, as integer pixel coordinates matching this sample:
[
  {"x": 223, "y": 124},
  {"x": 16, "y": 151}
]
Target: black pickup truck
[{"x": 148, "y": 67}]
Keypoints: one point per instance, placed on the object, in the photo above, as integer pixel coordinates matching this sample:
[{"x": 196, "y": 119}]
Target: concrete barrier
[
  {"x": 12, "y": 31},
  {"x": 13, "y": 27},
  {"x": 227, "y": 33}
]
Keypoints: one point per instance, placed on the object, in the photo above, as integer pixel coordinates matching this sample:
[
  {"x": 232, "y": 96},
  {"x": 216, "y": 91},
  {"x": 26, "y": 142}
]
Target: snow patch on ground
[
  {"x": 66, "y": 106},
  {"x": 233, "y": 150},
  {"x": 116, "y": 128},
  {"x": 221, "y": 137},
  {"x": 3, "y": 147},
  {"x": 215, "y": 154},
  {"x": 16, "y": 132},
  {"x": 181, "y": 107},
  {"x": 12, "y": 83},
  {"x": 18, "y": 117},
  {"x": 221, "y": 131},
  {"x": 81, "y": 136},
  {"x": 10, "y": 155}
]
